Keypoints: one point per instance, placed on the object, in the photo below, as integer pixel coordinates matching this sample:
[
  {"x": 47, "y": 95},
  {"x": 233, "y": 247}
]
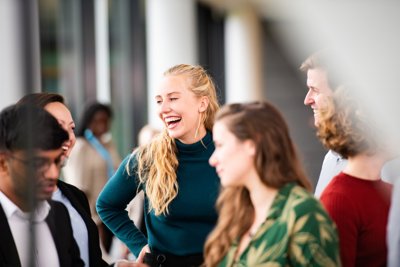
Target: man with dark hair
[
  {"x": 321, "y": 83},
  {"x": 31, "y": 156}
]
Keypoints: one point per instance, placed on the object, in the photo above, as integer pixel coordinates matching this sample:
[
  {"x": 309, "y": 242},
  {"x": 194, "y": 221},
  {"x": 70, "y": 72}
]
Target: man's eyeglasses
[{"x": 40, "y": 164}]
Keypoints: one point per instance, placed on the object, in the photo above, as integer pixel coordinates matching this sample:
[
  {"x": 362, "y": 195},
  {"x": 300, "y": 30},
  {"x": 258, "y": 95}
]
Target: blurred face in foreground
[
  {"x": 232, "y": 158},
  {"x": 19, "y": 172}
]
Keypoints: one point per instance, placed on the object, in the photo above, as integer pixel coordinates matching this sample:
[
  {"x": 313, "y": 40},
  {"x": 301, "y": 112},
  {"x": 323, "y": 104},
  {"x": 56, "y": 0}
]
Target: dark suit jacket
[
  {"x": 80, "y": 202},
  {"x": 60, "y": 227}
]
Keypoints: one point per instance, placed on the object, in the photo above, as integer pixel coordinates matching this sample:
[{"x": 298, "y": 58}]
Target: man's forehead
[
  {"x": 40, "y": 153},
  {"x": 316, "y": 76}
]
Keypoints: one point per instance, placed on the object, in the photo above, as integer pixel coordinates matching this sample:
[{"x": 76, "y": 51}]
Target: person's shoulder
[
  {"x": 81, "y": 142},
  {"x": 127, "y": 168},
  {"x": 302, "y": 201},
  {"x": 307, "y": 210},
  {"x": 81, "y": 148},
  {"x": 108, "y": 142},
  {"x": 343, "y": 183},
  {"x": 63, "y": 186},
  {"x": 131, "y": 159},
  {"x": 341, "y": 192},
  {"x": 57, "y": 208},
  {"x": 330, "y": 154},
  {"x": 333, "y": 156},
  {"x": 76, "y": 196},
  {"x": 299, "y": 193}
]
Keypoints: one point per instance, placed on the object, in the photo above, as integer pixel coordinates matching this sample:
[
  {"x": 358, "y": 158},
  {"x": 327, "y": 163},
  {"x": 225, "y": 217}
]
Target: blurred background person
[
  {"x": 356, "y": 199},
  {"x": 146, "y": 134},
  {"x": 267, "y": 216},
  {"x": 94, "y": 160}
]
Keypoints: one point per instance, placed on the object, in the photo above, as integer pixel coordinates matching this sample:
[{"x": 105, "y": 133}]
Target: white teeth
[{"x": 169, "y": 119}]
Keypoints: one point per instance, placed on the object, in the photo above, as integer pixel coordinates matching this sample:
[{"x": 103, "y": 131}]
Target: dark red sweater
[{"x": 360, "y": 210}]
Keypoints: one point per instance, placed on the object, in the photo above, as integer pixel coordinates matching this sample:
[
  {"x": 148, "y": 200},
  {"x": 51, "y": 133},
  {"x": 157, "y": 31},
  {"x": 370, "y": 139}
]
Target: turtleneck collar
[{"x": 201, "y": 145}]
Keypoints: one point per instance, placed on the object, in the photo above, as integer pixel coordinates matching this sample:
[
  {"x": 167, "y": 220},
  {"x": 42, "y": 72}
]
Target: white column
[
  {"x": 10, "y": 53},
  {"x": 243, "y": 56},
  {"x": 15, "y": 74},
  {"x": 69, "y": 42},
  {"x": 102, "y": 52},
  {"x": 171, "y": 40}
]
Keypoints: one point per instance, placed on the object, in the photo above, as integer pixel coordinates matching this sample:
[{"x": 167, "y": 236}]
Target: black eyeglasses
[{"x": 41, "y": 164}]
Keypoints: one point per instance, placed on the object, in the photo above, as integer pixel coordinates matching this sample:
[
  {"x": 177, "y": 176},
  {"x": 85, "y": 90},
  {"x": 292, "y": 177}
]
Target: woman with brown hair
[
  {"x": 356, "y": 199},
  {"x": 94, "y": 160},
  {"x": 180, "y": 187},
  {"x": 266, "y": 212}
]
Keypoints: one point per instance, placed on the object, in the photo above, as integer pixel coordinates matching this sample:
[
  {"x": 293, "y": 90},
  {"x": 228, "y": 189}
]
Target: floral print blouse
[{"x": 296, "y": 232}]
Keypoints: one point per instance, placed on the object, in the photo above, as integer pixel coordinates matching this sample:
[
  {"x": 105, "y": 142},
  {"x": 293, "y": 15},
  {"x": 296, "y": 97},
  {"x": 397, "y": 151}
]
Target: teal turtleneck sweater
[{"x": 192, "y": 213}]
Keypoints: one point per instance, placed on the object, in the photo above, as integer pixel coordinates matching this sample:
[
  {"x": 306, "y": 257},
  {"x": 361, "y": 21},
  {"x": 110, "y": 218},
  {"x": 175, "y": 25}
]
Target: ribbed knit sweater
[
  {"x": 360, "y": 210},
  {"x": 192, "y": 213}
]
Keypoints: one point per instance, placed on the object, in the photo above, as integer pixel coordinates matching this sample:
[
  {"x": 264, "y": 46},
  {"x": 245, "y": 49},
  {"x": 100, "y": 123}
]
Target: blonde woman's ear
[{"x": 204, "y": 101}]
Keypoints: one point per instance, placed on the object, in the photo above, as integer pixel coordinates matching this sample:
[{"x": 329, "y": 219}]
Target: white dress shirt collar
[
  {"x": 44, "y": 251},
  {"x": 10, "y": 209}
]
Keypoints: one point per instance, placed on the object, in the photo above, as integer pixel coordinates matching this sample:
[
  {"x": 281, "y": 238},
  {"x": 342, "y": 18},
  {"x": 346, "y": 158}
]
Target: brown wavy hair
[
  {"x": 157, "y": 161},
  {"x": 345, "y": 127},
  {"x": 276, "y": 162}
]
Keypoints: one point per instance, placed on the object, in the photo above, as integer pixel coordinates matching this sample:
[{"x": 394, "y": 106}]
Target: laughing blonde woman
[{"x": 180, "y": 187}]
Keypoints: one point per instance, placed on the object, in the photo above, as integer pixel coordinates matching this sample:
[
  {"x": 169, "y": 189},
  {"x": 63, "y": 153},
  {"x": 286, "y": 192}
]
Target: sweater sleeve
[
  {"x": 112, "y": 202},
  {"x": 341, "y": 210}
]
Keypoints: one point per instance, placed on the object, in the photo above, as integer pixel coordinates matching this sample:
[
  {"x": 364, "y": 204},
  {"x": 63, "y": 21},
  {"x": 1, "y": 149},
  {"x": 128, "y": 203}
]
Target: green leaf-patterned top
[{"x": 296, "y": 232}]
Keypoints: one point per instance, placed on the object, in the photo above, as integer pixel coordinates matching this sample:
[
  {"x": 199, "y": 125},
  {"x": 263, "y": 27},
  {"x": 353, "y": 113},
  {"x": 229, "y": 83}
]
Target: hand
[
  {"x": 125, "y": 252},
  {"x": 145, "y": 249},
  {"x": 125, "y": 263}
]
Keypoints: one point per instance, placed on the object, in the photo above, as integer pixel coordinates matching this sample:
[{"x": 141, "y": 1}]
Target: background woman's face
[
  {"x": 64, "y": 118},
  {"x": 100, "y": 123}
]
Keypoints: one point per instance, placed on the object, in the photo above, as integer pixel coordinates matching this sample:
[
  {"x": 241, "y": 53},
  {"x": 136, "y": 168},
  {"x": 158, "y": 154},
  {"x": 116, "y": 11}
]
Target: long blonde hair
[
  {"x": 157, "y": 161},
  {"x": 276, "y": 163}
]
